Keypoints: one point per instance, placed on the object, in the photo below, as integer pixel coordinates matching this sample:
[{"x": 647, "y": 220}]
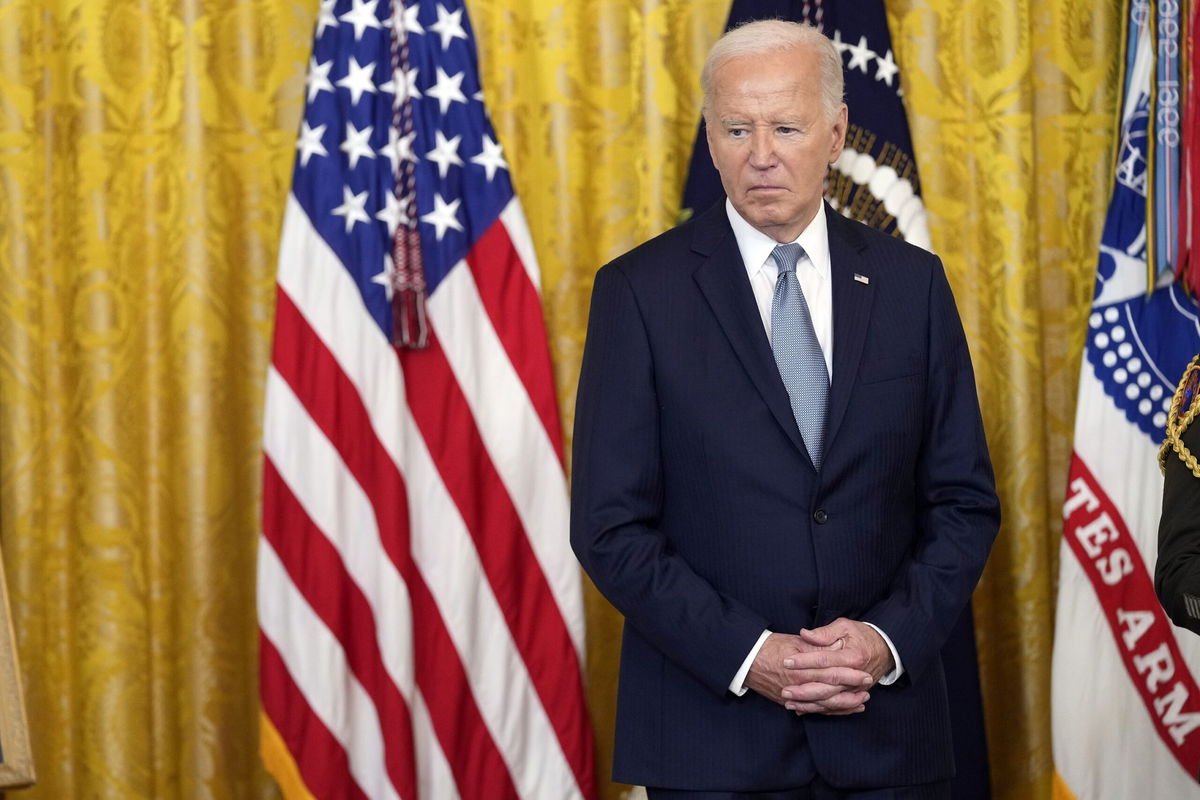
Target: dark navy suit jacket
[{"x": 698, "y": 514}]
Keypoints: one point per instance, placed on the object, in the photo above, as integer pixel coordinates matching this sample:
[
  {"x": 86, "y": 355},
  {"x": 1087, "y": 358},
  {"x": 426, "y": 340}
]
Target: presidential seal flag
[
  {"x": 1126, "y": 705},
  {"x": 420, "y": 617}
]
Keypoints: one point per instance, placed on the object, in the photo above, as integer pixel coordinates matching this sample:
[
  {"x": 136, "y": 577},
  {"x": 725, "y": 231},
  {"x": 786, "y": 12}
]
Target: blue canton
[{"x": 348, "y": 149}]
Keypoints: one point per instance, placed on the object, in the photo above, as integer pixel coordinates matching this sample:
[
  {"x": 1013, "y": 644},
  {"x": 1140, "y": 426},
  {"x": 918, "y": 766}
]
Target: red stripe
[
  {"x": 319, "y": 756},
  {"x": 1097, "y": 534},
  {"x": 515, "y": 310},
  {"x": 524, "y": 596},
  {"x": 306, "y": 364},
  {"x": 317, "y": 571},
  {"x": 1187, "y": 269}
]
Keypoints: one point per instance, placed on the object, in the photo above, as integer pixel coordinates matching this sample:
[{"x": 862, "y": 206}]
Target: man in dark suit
[
  {"x": 780, "y": 472},
  {"x": 1177, "y": 572}
]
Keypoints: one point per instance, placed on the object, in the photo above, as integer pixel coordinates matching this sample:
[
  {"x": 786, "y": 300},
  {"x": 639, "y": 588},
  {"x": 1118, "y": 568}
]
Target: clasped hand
[{"x": 827, "y": 670}]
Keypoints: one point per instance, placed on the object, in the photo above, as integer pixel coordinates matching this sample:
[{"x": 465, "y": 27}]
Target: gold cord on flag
[
  {"x": 1185, "y": 407},
  {"x": 410, "y": 325}
]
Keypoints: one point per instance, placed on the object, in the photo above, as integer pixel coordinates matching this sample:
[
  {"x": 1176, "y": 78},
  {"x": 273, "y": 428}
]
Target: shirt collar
[{"x": 755, "y": 246}]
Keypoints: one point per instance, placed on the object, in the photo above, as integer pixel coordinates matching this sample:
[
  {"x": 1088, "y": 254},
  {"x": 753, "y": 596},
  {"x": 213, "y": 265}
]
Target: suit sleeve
[
  {"x": 957, "y": 512},
  {"x": 1177, "y": 571},
  {"x": 617, "y": 497}
]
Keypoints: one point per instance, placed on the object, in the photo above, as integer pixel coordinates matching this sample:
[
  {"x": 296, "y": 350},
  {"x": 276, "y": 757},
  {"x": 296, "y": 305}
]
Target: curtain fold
[
  {"x": 1012, "y": 109},
  {"x": 145, "y": 152}
]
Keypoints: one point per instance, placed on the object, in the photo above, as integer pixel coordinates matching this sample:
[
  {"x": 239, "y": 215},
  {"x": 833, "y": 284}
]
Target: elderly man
[{"x": 780, "y": 472}]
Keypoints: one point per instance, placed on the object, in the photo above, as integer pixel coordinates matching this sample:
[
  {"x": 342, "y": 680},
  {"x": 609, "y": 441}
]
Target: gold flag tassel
[{"x": 410, "y": 324}]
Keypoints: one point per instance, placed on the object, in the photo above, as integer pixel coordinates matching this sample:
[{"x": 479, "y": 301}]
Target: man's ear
[
  {"x": 708, "y": 139},
  {"x": 840, "y": 124}
]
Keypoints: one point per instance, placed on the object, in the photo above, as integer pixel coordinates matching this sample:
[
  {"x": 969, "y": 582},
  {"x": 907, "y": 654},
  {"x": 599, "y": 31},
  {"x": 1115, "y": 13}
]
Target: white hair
[{"x": 760, "y": 37}]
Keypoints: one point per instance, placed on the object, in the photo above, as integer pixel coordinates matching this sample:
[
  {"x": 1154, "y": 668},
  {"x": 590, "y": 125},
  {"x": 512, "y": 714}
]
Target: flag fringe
[{"x": 279, "y": 762}]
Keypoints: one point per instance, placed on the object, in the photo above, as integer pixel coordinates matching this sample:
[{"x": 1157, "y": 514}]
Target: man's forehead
[
  {"x": 745, "y": 98},
  {"x": 772, "y": 63},
  {"x": 766, "y": 77}
]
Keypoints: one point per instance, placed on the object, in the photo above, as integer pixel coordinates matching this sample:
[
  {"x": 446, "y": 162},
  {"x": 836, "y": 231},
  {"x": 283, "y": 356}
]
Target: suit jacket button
[{"x": 819, "y": 516}]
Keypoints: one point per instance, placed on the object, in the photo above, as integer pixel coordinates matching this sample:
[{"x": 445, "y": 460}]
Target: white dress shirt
[{"x": 812, "y": 271}]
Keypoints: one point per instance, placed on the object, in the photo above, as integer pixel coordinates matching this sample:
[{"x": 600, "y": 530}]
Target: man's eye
[
  {"x": 737, "y": 133},
  {"x": 786, "y": 130}
]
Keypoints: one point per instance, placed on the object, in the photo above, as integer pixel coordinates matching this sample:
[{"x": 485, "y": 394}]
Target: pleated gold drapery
[
  {"x": 145, "y": 151},
  {"x": 1011, "y": 106}
]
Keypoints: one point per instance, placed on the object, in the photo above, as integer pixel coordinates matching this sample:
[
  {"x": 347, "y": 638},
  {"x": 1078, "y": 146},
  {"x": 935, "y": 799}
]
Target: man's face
[{"x": 772, "y": 140}]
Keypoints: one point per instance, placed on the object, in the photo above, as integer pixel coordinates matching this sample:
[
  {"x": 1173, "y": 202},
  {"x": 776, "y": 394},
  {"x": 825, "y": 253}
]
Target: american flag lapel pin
[{"x": 862, "y": 278}]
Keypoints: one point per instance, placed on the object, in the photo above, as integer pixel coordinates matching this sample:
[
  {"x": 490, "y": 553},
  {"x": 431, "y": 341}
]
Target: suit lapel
[
  {"x": 851, "y": 315},
  {"x": 722, "y": 279}
]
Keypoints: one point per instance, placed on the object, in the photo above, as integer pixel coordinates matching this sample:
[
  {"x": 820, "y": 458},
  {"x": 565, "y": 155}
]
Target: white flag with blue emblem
[{"x": 1126, "y": 707}]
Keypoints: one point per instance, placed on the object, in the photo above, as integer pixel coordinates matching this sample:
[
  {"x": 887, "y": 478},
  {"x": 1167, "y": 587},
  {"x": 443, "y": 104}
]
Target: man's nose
[{"x": 762, "y": 149}]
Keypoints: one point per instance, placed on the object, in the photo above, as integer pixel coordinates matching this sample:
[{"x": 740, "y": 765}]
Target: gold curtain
[
  {"x": 145, "y": 150},
  {"x": 1012, "y": 112}
]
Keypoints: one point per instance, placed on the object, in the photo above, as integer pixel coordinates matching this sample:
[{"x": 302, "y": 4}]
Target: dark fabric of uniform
[
  {"x": 696, "y": 510},
  {"x": 817, "y": 790},
  {"x": 1177, "y": 572}
]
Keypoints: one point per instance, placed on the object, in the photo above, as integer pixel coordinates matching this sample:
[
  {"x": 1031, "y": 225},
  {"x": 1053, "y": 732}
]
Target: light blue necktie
[{"x": 798, "y": 353}]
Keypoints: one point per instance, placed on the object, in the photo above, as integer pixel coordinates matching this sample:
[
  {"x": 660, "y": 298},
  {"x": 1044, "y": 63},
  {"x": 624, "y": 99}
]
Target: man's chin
[
  {"x": 756, "y": 211},
  {"x": 761, "y": 218}
]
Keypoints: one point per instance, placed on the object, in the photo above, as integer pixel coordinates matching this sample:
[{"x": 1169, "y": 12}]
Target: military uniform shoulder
[{"x": 1185, "y": 409}]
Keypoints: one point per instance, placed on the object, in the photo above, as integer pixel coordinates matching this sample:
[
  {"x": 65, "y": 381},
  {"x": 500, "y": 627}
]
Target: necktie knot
[{"x": 786, "y": 256}]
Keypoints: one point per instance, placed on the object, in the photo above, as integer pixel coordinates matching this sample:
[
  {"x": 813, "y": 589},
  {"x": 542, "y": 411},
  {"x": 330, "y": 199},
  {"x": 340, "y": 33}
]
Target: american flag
[{"x": 421, "y": 625}]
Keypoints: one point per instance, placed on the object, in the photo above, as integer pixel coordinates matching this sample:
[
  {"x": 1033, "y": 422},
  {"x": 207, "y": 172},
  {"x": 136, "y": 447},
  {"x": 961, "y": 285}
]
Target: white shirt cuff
[
  {"x": 894, "y": 675},
  {"x": 737, "y": 685}
]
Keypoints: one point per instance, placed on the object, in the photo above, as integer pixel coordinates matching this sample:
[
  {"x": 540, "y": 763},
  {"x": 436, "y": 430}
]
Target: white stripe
[
  {"x": 435, "y": 779},
  {"x": 442, "y": 547},
  {"x": 564, "y": 577},
  {"x": 513, "y": 433},
  {"x": 503, "y": 690},
  {"x": 315, "y": 660},
  {"x": 313, "y": 469},
  {"x": 513, "y": 219}
]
